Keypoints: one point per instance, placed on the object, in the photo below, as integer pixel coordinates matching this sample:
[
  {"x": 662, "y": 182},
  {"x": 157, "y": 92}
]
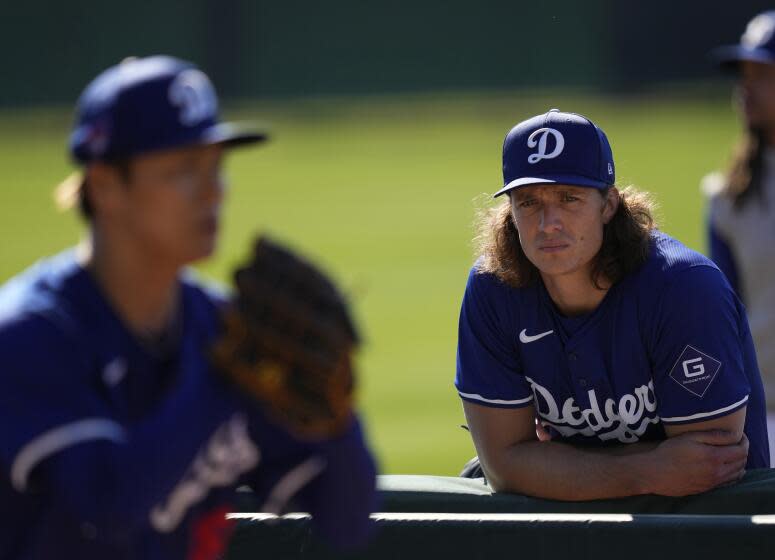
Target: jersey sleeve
[
  {"x": 59, "y": 440},
  {"x": 489, "y": 372},
  {"x": 334, "y": 480},
  {"x": 698, "y": 349},
  {"x": 45, "y": 407},
  {"x": 342, "y": 498}
]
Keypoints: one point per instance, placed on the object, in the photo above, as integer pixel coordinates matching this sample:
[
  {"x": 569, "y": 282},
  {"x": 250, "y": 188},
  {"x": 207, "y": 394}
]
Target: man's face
[
  {"x": 756, "y": 94},
  {"x": 561, "y": 226},
  {"x": 171, "y": 202}
]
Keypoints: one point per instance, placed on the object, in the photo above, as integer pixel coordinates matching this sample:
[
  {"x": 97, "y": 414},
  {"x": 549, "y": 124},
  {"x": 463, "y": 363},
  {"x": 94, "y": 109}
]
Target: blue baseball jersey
[
  {"x": 669, "y": 344},
  {"x": 114, "y": 447}
]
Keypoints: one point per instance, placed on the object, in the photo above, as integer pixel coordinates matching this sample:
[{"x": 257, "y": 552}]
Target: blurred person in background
[{"x": 741, "y": 216}]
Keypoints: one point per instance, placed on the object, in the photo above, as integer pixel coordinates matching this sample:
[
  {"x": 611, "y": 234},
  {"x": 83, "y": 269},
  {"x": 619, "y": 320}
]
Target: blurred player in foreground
[
  {"x": 741, "y": 217},
  {"x": 118, "y": 438},
  {"x": 597, "y": 356}
]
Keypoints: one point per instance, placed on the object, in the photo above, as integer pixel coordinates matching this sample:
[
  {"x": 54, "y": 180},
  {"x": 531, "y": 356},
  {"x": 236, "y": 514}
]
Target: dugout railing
[{"x": 447, "y": 517}]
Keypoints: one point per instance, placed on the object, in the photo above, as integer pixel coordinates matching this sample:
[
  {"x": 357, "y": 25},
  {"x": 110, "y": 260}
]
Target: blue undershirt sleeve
[{"x": 721, "y": 254}]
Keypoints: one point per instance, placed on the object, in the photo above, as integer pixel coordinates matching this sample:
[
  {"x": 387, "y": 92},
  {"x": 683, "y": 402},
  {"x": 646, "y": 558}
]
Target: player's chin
[
  {"x": 200, "y": 248},
  {"x": 205, "y": 240},
  {"x": 207, "y": 249},
  {"x": 556, "y": 258},
  {"x": 554, "y": 265}
]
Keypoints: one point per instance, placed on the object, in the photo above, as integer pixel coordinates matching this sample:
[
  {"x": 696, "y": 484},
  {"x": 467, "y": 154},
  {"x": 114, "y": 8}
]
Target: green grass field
[{"x": 383, "y": 191}]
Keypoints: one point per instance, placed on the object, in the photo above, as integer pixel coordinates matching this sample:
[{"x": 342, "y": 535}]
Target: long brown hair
[
  {"x": 73, "y": 192},
  {"x": 625, "y": 242},
  {"x": 744, "y": 176}
]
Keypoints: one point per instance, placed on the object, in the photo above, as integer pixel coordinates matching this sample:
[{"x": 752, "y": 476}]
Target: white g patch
[
  {"x": 693, "y": 368},
  {"x": 539, "y": 138},
  {"x": 193, "y": 93}
]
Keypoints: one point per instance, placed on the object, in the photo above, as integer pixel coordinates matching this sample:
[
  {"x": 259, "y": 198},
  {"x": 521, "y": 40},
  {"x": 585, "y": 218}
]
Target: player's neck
[
  {"x": 574, "y": 294},
  {"x": 144, "y": 294}
]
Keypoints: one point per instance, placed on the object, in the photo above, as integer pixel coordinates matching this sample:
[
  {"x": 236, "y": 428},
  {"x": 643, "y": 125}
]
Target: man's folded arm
[{"x": 696, "y": 457}]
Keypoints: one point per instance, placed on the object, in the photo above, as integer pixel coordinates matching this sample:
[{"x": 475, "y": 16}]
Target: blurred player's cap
[
  {"x": 756, "y": 45},
  {"x": 147, "y": 104},
  {"x": 557, "y": 147}
]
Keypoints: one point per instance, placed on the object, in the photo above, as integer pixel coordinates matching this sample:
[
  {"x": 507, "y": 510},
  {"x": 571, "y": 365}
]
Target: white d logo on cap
[
  {"x": 758, "y": 31},
  {"x": 538, "y": 138},
  {"x": 194, "y": 94}
]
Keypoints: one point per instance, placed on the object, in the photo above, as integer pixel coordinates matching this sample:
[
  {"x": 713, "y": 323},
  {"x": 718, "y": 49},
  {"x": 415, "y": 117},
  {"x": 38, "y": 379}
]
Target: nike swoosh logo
[{"x": 525, "y": 338}]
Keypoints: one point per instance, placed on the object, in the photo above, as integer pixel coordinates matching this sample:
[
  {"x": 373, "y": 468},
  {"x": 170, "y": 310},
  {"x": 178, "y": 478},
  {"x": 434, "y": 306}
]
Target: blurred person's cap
[
  {"x": 557, "y": 147},
  {"x": 147, "y": 104},
  {"x": 757, "y": 44}
]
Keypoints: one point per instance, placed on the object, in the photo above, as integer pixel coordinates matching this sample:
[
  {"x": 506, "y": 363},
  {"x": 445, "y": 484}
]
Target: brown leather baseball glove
[{"x": 288, "y": 341}]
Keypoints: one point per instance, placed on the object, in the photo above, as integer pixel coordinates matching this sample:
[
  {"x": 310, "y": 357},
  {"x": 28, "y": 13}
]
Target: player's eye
[
  {"x": 527, "y": 203},
  {"x": 569, "y": 197},
  {"x": 185, "y": 176}
]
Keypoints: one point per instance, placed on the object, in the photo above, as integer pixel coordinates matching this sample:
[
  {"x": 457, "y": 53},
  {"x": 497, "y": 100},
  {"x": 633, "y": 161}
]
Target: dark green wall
[
  {"x": 50, "y": 48},
  {"x": 399, "y": 45}
]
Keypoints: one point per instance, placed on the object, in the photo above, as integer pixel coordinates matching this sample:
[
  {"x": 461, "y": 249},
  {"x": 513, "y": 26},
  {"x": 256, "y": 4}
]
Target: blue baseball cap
[
  {"x": 557, "y": 147},
  {"x": 147, "y": 104},
  {"x": 757, "y": 44}
]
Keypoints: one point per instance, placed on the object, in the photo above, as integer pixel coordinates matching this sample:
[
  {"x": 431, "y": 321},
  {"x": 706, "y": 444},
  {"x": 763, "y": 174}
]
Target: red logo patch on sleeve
[{"x": 210, "y": 534}]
